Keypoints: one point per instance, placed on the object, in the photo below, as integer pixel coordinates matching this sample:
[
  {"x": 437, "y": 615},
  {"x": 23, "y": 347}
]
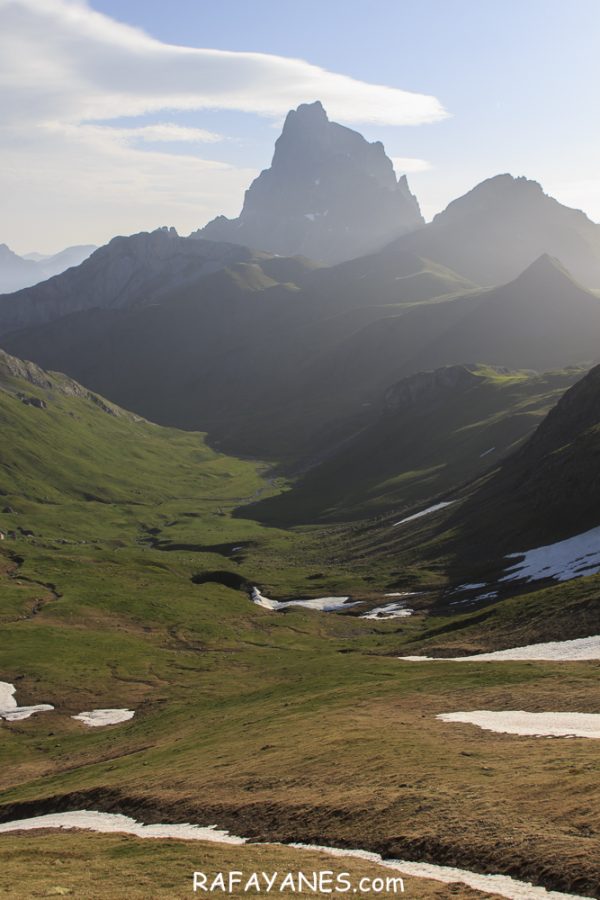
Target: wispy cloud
[
  {"x": 66, "y": 70},
  {"x": 61, "y": 58}
]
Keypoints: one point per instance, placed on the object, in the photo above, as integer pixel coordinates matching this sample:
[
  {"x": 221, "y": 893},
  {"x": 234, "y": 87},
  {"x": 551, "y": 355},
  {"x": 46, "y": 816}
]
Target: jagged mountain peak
[{"x": 329, "y": 194}]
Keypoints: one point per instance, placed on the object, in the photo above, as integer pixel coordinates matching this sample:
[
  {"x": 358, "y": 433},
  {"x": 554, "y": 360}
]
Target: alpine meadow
[{"x": 299, "y": 449}]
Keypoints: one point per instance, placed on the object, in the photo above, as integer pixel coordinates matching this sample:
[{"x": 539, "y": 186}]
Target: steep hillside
[
  {"x": 550, "y": 489},
  {"x": 503, "y": 225},
  {"x": 438, "y": 430},
  {"x": 329, "y": 195},
  {"x": 70, "y": 456}
]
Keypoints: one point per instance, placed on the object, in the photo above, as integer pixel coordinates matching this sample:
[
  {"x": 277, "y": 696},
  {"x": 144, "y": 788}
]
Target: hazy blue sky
[{"x": 496, "y": 85}]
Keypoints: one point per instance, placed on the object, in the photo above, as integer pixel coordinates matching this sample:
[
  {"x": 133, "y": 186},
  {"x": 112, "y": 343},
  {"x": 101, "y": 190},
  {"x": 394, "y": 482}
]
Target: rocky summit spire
[{"x": 329, "y": 194}]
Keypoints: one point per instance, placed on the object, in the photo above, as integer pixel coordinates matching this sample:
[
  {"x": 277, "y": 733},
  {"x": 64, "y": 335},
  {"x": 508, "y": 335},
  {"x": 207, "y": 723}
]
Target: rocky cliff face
[
  {"x": 426, "y": 389},
  {"x": 329, "y": 195}
]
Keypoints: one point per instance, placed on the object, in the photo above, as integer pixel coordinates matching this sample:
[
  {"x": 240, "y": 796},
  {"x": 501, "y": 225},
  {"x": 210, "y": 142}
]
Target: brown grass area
[{"x": 99, "y": 867}]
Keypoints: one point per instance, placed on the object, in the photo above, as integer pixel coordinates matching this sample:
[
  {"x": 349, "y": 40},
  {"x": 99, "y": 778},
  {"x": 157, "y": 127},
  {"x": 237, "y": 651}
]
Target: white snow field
[
  {"x": 573, "y": 558},
  {"x": 94, "y": 718},
  {"x": 109, "y": 823},
  {"x": 552, "y": 651},
  {"x": 8, "y": 705},
  {"x": 323, "y": 604},
  {"x": 424, "y": 512},
  {"x": 544, "y": 724}
]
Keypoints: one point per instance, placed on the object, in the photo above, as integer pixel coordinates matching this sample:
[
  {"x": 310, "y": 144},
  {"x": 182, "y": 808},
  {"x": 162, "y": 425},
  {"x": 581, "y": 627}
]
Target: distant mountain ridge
[
  {"x": 17, "y": 272},
  {"x": 329, "y": 195},
  {"x": 501, "y": 226}
]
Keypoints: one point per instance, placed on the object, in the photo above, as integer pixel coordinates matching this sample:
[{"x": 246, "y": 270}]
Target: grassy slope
[
  {"x": 282, "y": 726},
  {"x": 421, "y": 451},
  {"x": 107, "y": 866}
]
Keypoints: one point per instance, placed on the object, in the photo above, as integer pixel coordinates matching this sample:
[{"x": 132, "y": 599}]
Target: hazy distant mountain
[
  {"x": 126, "y": 271},
  {"x": 17, "y": 272},
  {"x": 329, "y": 195},
  {"x": 504, "y": 224},
  {"x": 541, "y": 320},
  {"x": 256, "y": 352},
  {"x": 278, "y": 360}
]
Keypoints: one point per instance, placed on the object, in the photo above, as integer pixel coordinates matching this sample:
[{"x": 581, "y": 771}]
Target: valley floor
[{"x": 290, "y": 725}]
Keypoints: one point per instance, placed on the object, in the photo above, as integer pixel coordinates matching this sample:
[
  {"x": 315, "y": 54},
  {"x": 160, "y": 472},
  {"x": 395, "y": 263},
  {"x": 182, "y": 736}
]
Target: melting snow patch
[
  {"x": 424, "y": 512},
  {"x": 97, "y": 717},
  {"x": 8, "y": 705},
  {"x": 552, "y": 651},
  {"x": 547, "y": 724},
  {"x": 573, "y": 558},
  {"x": 109, "y": 823},
  {"x": 498, "y": 885},
  {"x": 389, "y": 611},
  {"x": 323, "y": 604}
]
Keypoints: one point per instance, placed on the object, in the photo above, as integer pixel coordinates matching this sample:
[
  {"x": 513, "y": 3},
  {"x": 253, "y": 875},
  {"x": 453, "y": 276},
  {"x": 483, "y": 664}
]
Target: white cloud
[
  {"x": 407, "y": 164},
  {"x": 64, "y": 68},
  {"x": 61, "y": 58}
]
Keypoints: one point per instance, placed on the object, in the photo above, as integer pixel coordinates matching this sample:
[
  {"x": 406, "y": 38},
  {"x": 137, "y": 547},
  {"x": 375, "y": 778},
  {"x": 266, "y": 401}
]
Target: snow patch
[
  {"x": 552, "y": 651},
  {"x": 424, "y": 512},
  {"x": 8, "y": 705},
  {"x": 323, "y": 604},
  {"x": 498, "y": 885},
  {"x": 94, "y": 718},
  {"x": 470, "y": 587},
  {"x": 109, "y": 823},
  {"x": 573, "y": 558},
  {"x": 546, "y": 724}
]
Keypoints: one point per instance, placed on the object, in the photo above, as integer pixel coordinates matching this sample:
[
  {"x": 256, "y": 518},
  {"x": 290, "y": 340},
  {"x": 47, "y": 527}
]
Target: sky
[{"x": 118, "y": 116}]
